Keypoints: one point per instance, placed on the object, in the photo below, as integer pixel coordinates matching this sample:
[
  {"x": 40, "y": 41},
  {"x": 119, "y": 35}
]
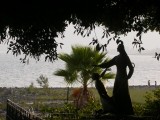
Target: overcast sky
[{"x": 151, "y": 40}]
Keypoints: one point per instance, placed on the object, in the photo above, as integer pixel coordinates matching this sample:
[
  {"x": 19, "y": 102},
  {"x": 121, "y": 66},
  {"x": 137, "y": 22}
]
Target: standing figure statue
[{"x": 121, "y": 99}]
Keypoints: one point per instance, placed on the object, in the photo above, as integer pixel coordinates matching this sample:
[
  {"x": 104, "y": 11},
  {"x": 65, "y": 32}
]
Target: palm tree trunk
[{"x": 84, "y": 96}]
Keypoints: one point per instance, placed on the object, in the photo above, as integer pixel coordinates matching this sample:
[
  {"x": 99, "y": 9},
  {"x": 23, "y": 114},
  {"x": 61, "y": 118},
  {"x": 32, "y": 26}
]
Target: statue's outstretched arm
[{"x": 107, "y": 64}]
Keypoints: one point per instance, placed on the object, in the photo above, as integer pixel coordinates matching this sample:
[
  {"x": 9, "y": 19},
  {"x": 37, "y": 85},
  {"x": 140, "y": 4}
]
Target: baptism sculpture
[{"x": 120, "y": 102}]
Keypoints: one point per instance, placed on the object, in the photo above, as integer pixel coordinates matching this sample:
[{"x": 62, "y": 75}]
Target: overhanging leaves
[{"x": 33, "y": 26}]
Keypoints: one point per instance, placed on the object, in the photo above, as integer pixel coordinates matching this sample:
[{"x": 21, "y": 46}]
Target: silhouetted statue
[
  {"x": 107, "y": 102},
  {"x": 121, "y": 98}
]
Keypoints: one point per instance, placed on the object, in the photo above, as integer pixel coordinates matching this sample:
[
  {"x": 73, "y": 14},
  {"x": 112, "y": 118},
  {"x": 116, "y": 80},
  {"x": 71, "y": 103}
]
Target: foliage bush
[
  {"x": 31, "y": 88},
  {"x": 152, "y": 105},
  {"x": 89, "y": 108},
  {"x": 138, "y": 109},
  {"x": 70, "y": 110}
]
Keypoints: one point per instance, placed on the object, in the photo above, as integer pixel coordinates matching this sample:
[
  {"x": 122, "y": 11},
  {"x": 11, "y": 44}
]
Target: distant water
[{"x": 13, "y": 73}]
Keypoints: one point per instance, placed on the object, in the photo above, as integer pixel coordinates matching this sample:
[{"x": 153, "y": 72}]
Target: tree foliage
[
  {"x": 43, "y": 81},
  {"x": 33, "y": 26},
  {"x": 79, "y": 68},
  {"x": 79, "y": 65}
]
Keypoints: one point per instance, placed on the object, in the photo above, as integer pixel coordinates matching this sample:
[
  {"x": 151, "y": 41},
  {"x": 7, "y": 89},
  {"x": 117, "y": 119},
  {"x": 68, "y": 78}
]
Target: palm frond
[
  {"x": 79, "y": 64},
  {"x": 69, "y": 77},
  {"x": 109, "y": 75}
]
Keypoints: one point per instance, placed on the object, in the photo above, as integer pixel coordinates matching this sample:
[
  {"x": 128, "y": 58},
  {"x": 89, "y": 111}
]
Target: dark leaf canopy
[{"x": 33, "y": 26}]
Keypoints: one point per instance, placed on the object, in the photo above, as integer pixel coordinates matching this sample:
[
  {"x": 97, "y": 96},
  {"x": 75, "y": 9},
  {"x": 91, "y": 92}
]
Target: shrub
[
  {"x": 90, "y": 108},
  {"x": 152, "y": 105},
  {"x": 138, "y": 109},
  {"x": 70, "y": 111}
]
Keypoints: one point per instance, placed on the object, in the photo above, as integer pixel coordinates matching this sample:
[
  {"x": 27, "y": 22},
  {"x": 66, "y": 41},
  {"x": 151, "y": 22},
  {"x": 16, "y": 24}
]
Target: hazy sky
[{"x": 151, "y": 40}]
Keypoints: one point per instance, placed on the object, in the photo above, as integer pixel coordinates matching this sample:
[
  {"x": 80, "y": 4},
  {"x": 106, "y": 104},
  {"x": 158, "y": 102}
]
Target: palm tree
[{"x": 79, "y": 68}]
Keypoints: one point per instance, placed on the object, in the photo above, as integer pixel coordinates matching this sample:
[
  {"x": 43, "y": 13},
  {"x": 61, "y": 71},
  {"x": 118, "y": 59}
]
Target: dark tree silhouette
[{"x": 33, "y": 26}]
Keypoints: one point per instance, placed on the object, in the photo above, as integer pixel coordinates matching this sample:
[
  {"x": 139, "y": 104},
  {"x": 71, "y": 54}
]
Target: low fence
[{"x": 15, "y": 112}]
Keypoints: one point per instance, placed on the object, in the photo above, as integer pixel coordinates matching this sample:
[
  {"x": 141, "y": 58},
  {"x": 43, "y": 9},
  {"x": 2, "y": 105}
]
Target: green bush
[
  {"x": 70, "y": 111},
  {"x": 89, "y": 108},
  {"x": 138, "y": 109},
  {"x": 152, "y": 105}
]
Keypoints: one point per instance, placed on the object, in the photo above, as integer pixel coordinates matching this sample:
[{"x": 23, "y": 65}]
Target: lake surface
[{"x": 13, "y": 73}]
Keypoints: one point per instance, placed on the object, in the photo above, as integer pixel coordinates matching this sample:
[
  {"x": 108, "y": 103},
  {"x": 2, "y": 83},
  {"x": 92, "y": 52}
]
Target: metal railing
[{"x": 16, "y": 112}]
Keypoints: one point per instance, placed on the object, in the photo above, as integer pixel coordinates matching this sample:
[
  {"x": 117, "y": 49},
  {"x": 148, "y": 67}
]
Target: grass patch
[{"x": 137, "y": 93}]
